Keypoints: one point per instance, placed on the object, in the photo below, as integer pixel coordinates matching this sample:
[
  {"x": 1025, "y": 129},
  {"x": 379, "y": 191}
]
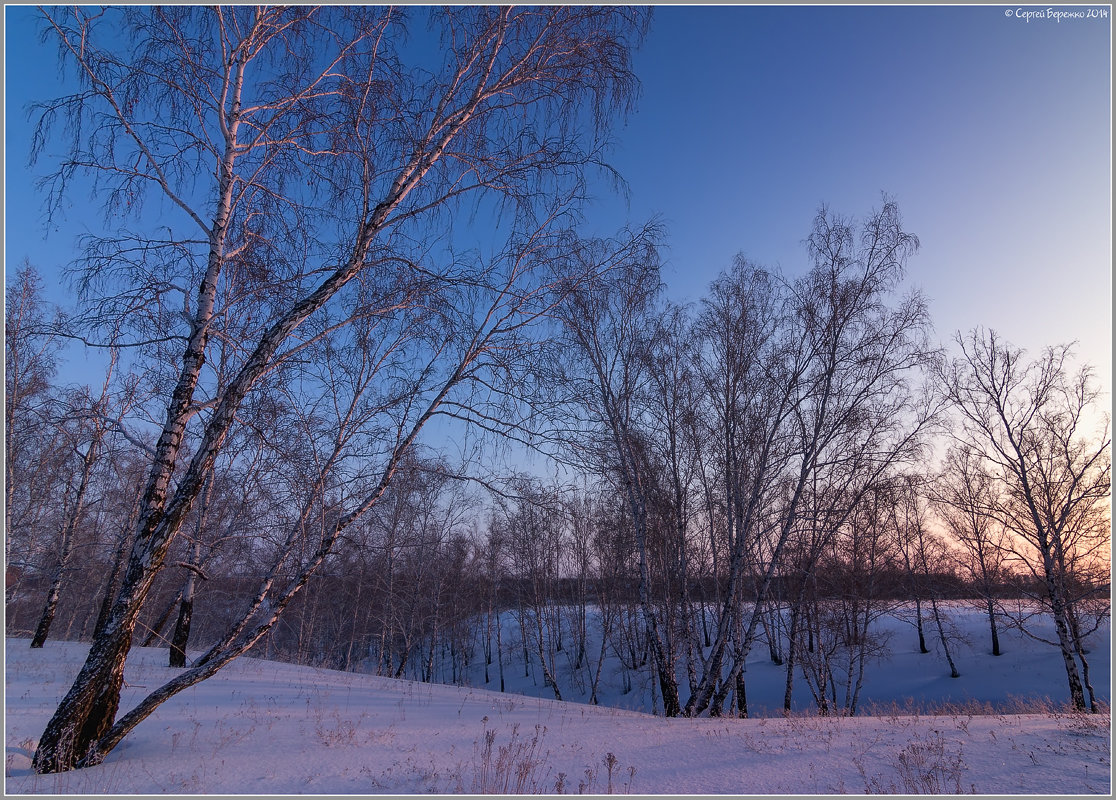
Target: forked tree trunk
[
  {"x": 1073, "y": 677},
  {"x": 668, "y": 685},
  {"x": 1085, "y": 677},
  {"x": 88, "y": 710}
]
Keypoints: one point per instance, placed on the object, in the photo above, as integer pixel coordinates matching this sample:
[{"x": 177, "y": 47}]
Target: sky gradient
[{"x": 992, "y": 132}]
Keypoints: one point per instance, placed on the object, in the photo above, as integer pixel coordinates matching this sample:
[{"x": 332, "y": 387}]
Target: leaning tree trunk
[
  {"x": 88, "y": 710},
  {"x": 123, "y": 547},
  {"x": 66, "y": 546},
  {"x": 1061, "y": 624},
  {"x": 46, "y": 619},
  {"x": 953, "y": 673}
]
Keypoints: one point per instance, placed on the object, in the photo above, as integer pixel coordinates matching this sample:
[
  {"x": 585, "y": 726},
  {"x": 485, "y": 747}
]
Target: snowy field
[
  {"x": 1026, "y": 671},
  {"x": 262, "y": 727}
]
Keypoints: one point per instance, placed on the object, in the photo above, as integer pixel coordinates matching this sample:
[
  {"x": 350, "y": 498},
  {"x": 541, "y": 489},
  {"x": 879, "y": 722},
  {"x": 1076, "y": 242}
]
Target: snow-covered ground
[
  {"x": 1027, "y": 670},
  {"x": 262, "y": 727}
]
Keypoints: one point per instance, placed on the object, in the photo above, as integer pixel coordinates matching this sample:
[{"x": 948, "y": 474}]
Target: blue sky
[{"x": 992, "y": 132}]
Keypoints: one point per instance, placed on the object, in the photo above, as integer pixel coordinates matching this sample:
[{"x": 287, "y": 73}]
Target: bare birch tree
[
  {"x": 89, "y": 422},
  {"x": 30, "y": 364},
  {"x": 299, "y": 165},
  {"x": 852, "y": 597},
  {"x": 750, "y": 374},
  {"x": 608, "y": 326},
  {"x": 964, "y": 497},
  {"x": 809, "y": 386},
  {"x": 841, "y": 408},
  {"x": 927, "y": 562},
  {"x": 1029, "y": 424}
]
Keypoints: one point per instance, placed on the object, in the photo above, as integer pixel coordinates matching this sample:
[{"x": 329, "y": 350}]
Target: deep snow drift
[{"x": 261, "y": 727}]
